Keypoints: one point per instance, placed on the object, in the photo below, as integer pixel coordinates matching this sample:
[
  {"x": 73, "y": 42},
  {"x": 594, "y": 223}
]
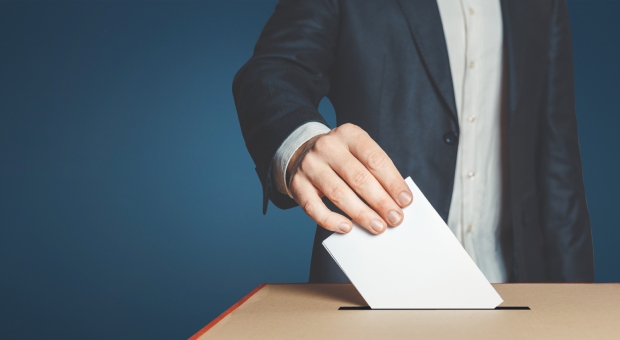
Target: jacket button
[{"x": 450, "y": 138}]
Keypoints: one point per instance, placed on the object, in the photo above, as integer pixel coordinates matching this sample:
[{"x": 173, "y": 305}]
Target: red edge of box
[{"x": 226, "y": 312}]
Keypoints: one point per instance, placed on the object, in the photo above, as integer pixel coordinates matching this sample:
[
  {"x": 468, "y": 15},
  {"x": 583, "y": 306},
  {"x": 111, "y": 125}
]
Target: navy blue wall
[{"x": 129, "y": 207}]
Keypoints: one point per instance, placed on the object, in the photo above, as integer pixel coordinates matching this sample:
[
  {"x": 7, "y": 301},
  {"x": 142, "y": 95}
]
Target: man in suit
[{"x": 471, "y": 98}]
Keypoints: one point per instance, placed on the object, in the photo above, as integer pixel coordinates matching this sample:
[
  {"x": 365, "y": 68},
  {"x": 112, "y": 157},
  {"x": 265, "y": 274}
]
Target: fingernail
[
  {"x": 393, "y": 217},
  {"x": 344, "y": 227},
  {"x": 376, "y": 225},
  {"x": 404, "y": 198}
]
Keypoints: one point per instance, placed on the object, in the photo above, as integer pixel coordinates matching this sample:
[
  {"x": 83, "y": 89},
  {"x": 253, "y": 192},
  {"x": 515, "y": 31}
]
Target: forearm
[{"x": 280, "y": 87}]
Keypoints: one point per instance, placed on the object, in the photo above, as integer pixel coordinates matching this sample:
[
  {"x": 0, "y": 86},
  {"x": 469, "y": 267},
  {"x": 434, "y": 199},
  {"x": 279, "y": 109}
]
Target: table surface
[{"x": 311, "y": 311}]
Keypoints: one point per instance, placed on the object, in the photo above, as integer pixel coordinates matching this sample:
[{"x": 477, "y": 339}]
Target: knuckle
[
  {"x": 308, "y": 207},
  {"x": 360, "y": 177},
  {"x": 324, "y": 222},
  {"x": 376, "y": 159},
  {"x": 361, "y": 215},
  {"x": 307, "y": 163},
  {"x": 383, "y": 204},
  {"x": 337, "y": 194},
  {"x": 323, "y": 143},
  {"x": 348, "y": 128},
  {"x": 362, "y": 143},
  {"x": 294, "y": 185}
]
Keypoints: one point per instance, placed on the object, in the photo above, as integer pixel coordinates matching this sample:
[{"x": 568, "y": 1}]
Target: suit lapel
[
  {"x": 513, "y": 47},
  {"x": 426, "y": 29}
]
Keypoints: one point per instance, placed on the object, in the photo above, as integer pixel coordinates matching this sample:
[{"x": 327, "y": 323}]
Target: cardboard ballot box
[{"x": 337, "y": 311}]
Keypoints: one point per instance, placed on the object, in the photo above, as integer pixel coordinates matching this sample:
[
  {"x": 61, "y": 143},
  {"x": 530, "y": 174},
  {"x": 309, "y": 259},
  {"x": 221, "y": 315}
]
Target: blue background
[{"x": 129, "y": 207}]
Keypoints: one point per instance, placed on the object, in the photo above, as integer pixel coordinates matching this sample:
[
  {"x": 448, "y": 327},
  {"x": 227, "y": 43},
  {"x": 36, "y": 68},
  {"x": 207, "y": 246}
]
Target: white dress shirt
[
  {"x": 474, "y": 35},
  {"x": 473, "y": 32}
]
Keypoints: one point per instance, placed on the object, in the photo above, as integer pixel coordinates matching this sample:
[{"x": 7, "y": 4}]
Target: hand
[{"x": 339, "y": 164}]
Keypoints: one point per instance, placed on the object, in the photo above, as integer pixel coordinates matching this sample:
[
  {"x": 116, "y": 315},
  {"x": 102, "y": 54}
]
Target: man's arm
[
  {"x": 280, "y": 87},
  {"x": 565, "y": 218},
  {"x": 278, "y": 90}
]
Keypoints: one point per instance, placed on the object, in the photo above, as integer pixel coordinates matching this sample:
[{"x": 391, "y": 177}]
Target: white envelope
[{"x": 417, "y": 265}]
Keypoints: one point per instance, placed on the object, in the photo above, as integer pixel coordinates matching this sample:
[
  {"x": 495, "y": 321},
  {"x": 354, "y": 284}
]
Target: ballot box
[{"x": 337, "y": 311}]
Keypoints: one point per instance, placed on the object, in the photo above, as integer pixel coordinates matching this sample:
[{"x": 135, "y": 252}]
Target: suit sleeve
[
  {"x": 281, "y": 86},
  {"x": 565, "y": 218}
]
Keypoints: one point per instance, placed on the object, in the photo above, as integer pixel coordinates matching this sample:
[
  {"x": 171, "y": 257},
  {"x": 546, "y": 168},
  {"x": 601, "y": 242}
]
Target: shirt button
[
  {"x": 472, "y": 64},
  {"x": 450, "y": 138},
  {"x": 469, "y": 228},
  {"x": 471, "y": 11},
  {"x": 471, "y": 118},
  {"x": 471, "y": 174}
]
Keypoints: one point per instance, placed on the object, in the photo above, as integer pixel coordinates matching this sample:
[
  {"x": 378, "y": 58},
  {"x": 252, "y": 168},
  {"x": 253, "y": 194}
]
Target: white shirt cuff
[{"x": 288, "y": 148}]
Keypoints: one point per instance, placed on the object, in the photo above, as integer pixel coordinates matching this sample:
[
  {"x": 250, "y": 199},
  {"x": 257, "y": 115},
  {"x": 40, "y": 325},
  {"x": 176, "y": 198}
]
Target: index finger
[{"x": 369, "y": 153}]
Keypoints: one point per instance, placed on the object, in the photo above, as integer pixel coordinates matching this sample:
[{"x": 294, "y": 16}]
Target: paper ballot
[{"x": 417, "y": 265}]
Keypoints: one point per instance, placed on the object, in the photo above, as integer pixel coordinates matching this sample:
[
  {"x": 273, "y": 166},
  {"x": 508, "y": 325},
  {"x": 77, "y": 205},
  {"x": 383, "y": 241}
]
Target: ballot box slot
[{"x": 496, "y": 308}]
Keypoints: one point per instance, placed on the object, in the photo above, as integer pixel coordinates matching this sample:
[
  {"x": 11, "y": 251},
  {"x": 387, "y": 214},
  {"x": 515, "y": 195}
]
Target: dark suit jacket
[{"x": 384, "y": 66}]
